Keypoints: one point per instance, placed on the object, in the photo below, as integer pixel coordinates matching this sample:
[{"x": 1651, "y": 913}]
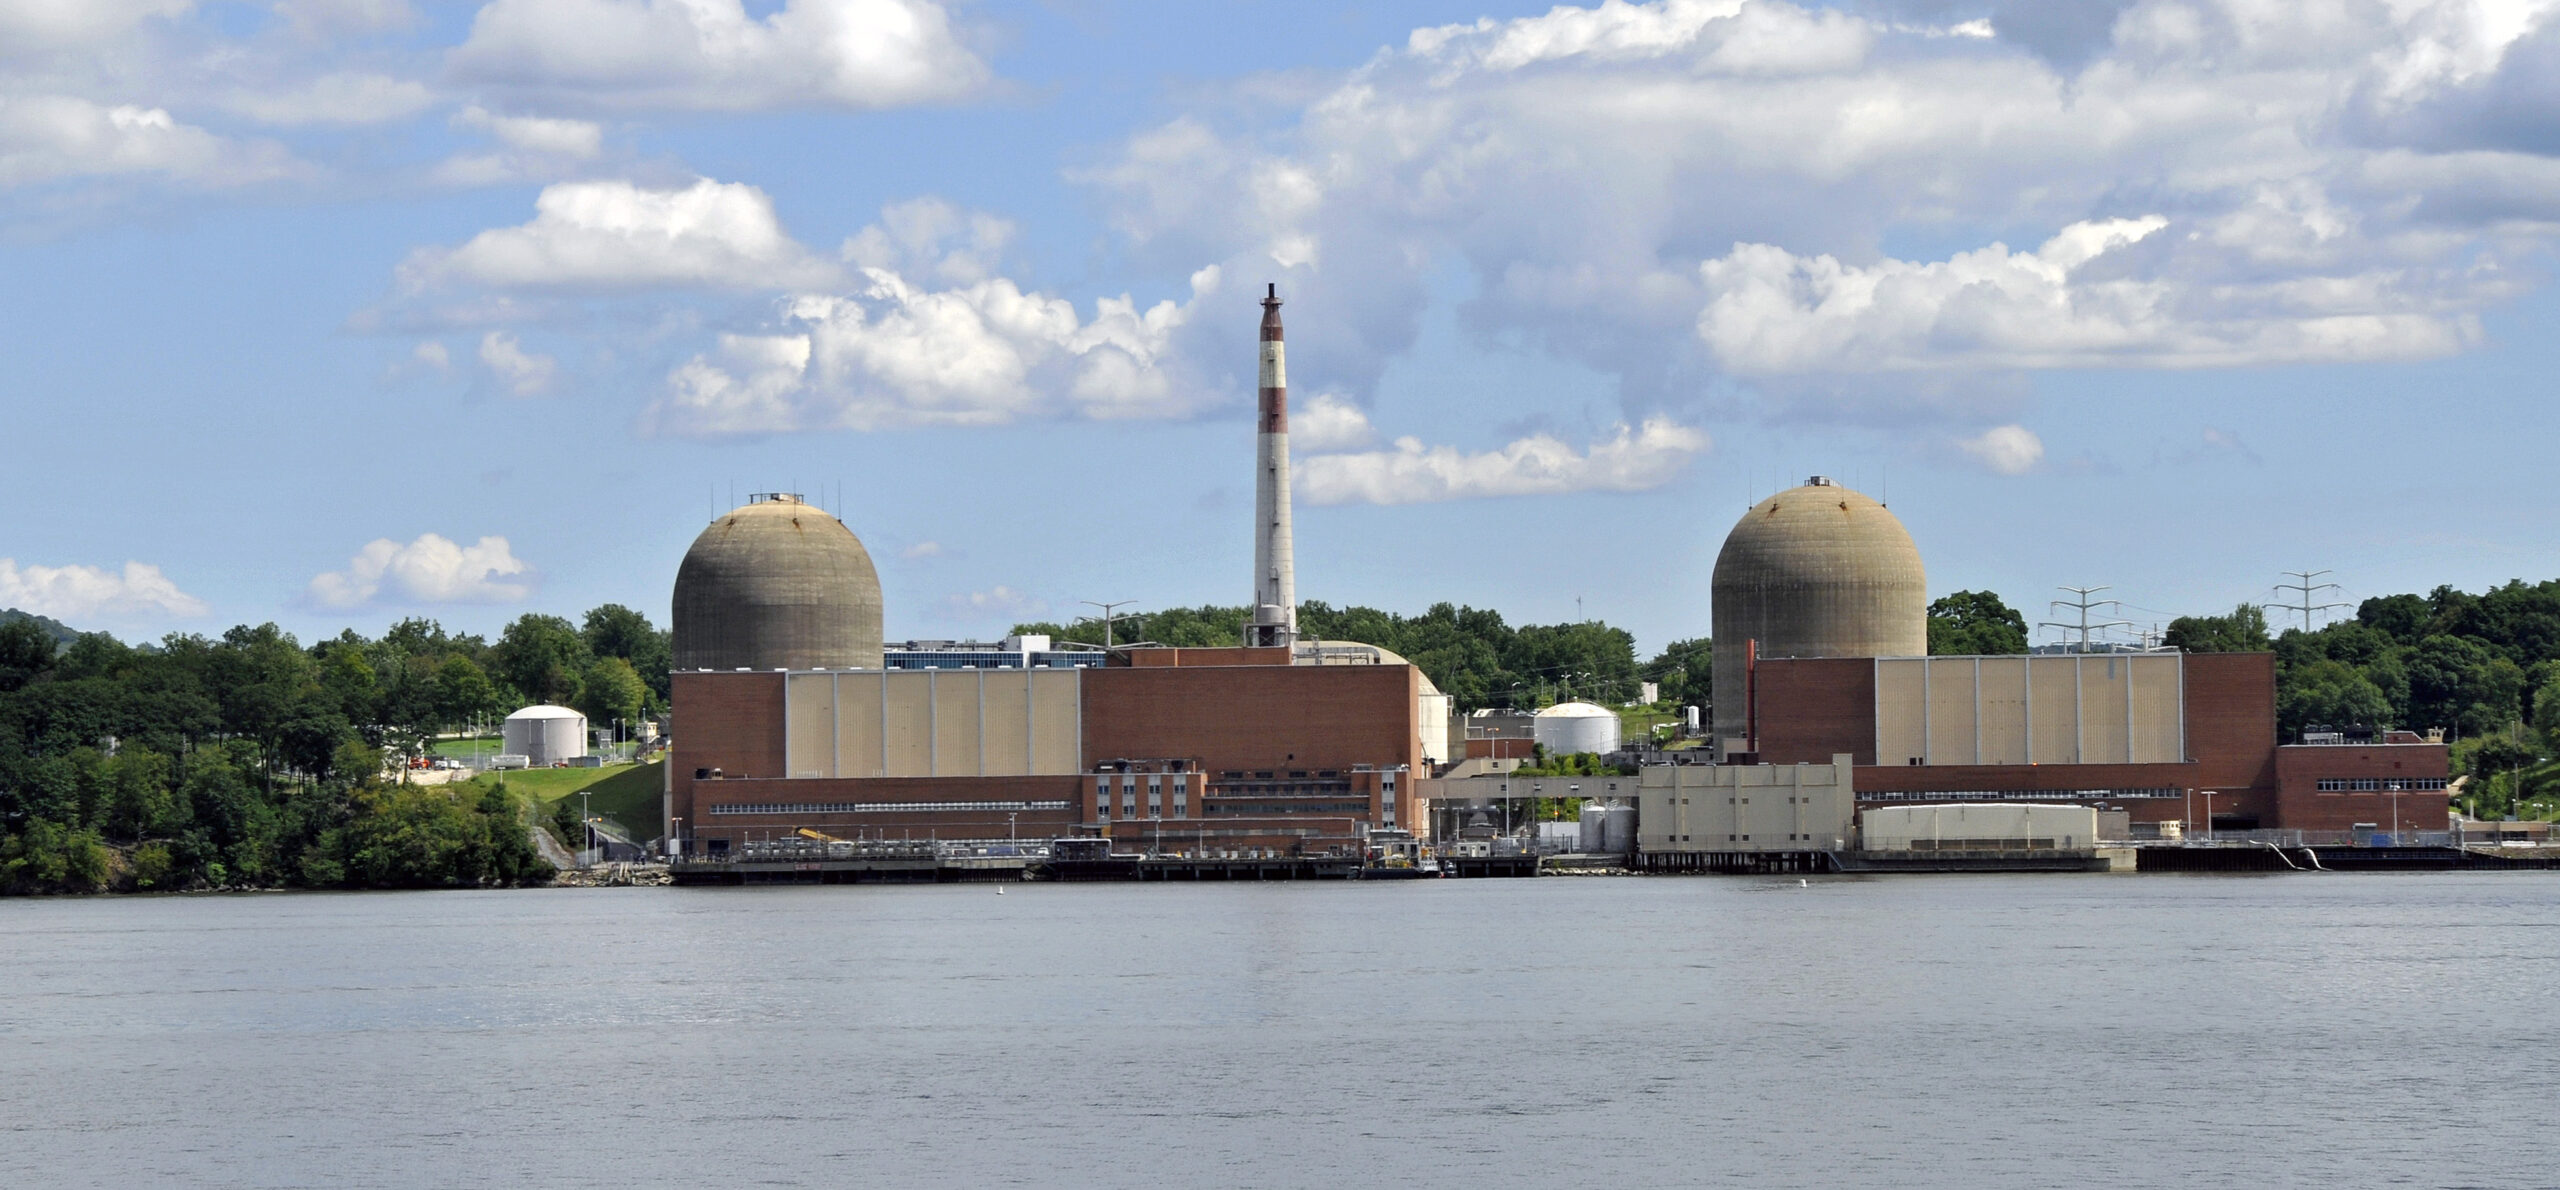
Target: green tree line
[{"x": 251, "y": 759}]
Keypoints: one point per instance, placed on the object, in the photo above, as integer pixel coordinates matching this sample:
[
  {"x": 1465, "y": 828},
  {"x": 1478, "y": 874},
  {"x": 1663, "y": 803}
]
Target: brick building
[
  {"x": 1173, "y": 749},
  {"x": 2152, "y": 734}
]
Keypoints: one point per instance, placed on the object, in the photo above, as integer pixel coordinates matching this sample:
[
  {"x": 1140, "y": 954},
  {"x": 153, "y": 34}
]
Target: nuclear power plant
[{"x": 804, "y": 750}]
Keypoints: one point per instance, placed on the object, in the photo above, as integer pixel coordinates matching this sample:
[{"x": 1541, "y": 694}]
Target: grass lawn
[{"x": 629, "y": 794}]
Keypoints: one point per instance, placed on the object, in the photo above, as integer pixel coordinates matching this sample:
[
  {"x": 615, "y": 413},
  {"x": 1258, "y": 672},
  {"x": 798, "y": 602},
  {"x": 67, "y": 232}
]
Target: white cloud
[
  {"x": 1634, "y": 460},
  {"x": 930, "y": 238},
  {"x": 998, "y": 602},
  {"x": 548, "y": 135},
  {"x": 1327, "y": 422},
  {"x": 1674, "y": 191},
  {"x": 336, "y": 99},
  {"x": 711, "y": 55},
  {"x": 524, "y": 373},
  {"x": 431, "y": 569},
  {"x": 76, "y": 593},
  {"x": 897, "y": 352},
  {"x": 49, "y": 24},
  {"x": 2005, "y": 450},
  {"x": 1770, "y": 311},
  {"x": 616, "y": 234},
  {"x": 49, "y": 137}
]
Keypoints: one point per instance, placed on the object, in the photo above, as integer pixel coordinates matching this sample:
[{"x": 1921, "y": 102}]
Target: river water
[{"x": 1915, "y": 1031}]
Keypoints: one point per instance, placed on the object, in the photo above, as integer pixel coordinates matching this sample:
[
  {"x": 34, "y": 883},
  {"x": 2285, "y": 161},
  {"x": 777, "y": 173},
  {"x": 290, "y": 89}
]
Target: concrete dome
[
  {"x": 1814, "y": 571},
  {"x": 777, "y": 584}
]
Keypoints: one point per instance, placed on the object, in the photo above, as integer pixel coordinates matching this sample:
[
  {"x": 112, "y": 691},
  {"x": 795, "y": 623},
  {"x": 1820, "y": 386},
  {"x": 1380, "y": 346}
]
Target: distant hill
[{"x": 62, "y": 634}]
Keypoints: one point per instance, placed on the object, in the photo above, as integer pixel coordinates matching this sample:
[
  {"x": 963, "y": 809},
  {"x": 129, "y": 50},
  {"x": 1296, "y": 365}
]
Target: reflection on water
[{"x": 1946, "y": 1031}]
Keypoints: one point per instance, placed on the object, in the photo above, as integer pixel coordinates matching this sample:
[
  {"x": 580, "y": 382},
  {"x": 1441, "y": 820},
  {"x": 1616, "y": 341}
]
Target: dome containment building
[
  {"x": 1814, "y": 571},
  {"x": 777, "y": 584}
]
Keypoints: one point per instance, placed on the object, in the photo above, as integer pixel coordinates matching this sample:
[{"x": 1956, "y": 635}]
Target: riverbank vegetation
[{"x": 253, "y": 761}]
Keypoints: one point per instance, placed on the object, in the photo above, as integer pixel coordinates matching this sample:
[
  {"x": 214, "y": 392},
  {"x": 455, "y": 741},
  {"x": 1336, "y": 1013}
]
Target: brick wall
[
  {"x": 1811, "y": 708},
  {"x": 728, "y": 721},
  {"x": 818, "y": 804},
  {"x": 2302, "y": 805},
  {"x": 1253, "y": 717}
]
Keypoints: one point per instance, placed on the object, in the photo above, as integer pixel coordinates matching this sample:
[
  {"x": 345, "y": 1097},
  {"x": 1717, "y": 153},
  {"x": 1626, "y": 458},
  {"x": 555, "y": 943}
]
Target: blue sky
[{"x": 336, "y": 311}]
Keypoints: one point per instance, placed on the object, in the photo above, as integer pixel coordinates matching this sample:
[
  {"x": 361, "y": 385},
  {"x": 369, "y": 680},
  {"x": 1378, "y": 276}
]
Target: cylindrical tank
[
  {"x": 1619, "y": 834},
  {"x": 544, "y": 734},
  {"x": 1814, "y": 571},
  {"x": 1595, "y": 827},
  {"x": 1575, "y": 727},
  {"x": 777, "y": 584}
]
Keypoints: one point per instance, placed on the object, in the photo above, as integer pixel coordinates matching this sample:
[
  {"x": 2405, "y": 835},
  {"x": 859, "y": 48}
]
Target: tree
[
  {"x": 464, "y": 693},
  {"x": 26, "y": 650},
  {"x": 613, "y": 630},
  {"x": 610, "y": 690},
  {"x": 2330, "y": 693},
  {"x": 2458, "y": 683},
  {"x": 541, "y": 657},
  {"x": 1975, "y": 623},
  {"x": 2243, "y": 631},
  {"x": 1686, "y": 669}
]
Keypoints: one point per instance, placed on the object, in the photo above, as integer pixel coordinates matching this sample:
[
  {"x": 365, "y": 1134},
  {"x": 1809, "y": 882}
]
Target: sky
[{"x": 335, "y": 312}]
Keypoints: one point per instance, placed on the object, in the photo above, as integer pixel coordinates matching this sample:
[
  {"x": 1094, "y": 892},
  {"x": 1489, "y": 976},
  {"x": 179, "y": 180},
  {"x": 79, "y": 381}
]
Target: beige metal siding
[
  {"x": 858, "y": 725},
  {"x": 1004, "y": 733},
  {"x": 809, "y": 727},
  {"x": 2159, "y": 734},
  {"x": 2055, "y": 705},
  {"x": 1899, "y": 712},
  {"x": 907, "y": 724},
  {"x": 1057, "y": 726},
  {"x": 2095, "y": 709}
]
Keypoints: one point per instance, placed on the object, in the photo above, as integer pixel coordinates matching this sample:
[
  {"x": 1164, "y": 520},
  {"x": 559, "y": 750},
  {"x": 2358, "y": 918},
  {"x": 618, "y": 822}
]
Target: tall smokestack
[{"x": 1275, "y": 576}]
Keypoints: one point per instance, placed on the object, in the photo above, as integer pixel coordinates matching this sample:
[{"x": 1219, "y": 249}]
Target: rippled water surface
[{"x": 1950, "y": 1031}]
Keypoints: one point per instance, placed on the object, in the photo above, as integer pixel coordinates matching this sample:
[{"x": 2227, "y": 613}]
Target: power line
[
  {"x": 2302, "y": 587},
  {"x": 2084, "y": 605}
]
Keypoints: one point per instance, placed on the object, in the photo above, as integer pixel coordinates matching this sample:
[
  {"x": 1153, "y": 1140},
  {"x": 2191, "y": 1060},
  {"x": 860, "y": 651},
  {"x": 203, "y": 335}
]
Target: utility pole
[
  {"x": 1107, "y": 618},
  {"x": 2303, "y": 588},
  {"x": 2081, "y": 603}
]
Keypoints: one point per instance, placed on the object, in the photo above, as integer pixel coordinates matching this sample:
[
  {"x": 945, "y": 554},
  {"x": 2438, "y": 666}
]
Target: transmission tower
[
  {"x": 1107, "y": 618},
  {"x": 2303, "y": 587},
  {"x": 2080, "y": 602}
]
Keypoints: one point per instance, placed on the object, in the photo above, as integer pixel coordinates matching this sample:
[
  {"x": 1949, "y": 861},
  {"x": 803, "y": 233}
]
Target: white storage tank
[
  {"x": 1595, "y": 828},
  {"x": 1569, "y": 727},
  {"x": 546, "y": 734}
]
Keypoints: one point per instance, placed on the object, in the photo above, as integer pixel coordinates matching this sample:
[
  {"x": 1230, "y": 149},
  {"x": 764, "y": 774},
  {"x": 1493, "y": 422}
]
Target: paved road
[{"x": 560, "y": 856}]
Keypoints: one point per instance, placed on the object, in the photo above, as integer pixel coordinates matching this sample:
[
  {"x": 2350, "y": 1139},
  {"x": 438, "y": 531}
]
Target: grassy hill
[{"x": 629, "y": 794}]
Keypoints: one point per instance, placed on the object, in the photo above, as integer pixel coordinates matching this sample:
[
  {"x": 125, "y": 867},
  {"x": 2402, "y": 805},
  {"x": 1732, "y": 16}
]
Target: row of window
[
  {"x": 2024, "y": 795},
  {"x": 2379, "y": 784},
  {"x": 879, "y": 807}
]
